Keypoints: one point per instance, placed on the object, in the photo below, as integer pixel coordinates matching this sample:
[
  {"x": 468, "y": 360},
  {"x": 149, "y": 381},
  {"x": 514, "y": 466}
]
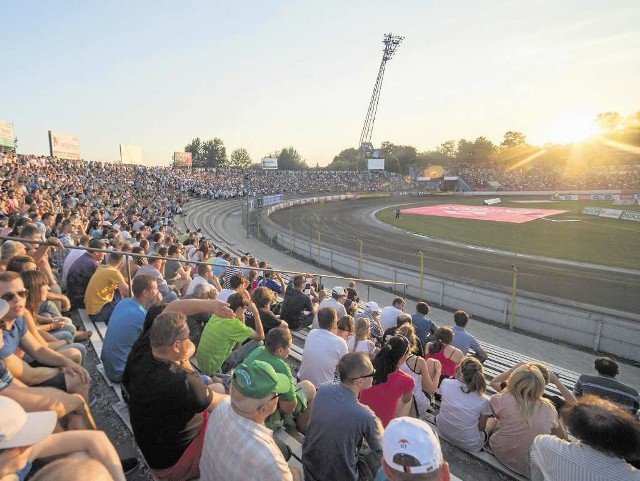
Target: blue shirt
[
  {"x": 5, "y": 376},
  {"x": 125, "y": 326},
  {"x": 423, "y": 326},
  {"x": 463, "y": 340},
  {"x": 219, "y": 266},
  {"x": 12, "y": 338}
]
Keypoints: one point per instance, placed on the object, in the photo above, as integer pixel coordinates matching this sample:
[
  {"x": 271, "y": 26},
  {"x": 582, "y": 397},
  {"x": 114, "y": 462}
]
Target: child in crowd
[{"x": 361, "y": 341}]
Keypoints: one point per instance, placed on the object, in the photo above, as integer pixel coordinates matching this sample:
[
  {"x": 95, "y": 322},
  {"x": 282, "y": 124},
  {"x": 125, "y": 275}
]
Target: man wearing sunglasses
[
  {"x": 239, "y": 422},
  {"x": 333, "y": 446},
  {"x": 56, "y": 370}
]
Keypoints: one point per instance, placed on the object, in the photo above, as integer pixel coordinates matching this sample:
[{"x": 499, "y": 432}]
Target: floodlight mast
[{"x": 391, "y": 43}]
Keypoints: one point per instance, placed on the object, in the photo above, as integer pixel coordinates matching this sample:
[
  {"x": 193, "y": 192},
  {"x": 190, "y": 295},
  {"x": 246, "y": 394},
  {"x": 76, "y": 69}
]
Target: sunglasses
[
  {"x": 9, "y": 296},
  {"x": 366, "y": 375},
  {"x": 275, "y": 396}
]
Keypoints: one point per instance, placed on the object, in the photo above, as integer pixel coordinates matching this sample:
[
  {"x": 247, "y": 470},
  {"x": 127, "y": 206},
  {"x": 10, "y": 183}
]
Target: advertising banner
[
  {"x": 130, "y": 154},
  {"x": 630, "y": 215},
  {"x": 270, "y": 163},
  {"x": 7, "y": 135},
  {"x": 611, "y": 213},
  {"x": 568, "y": 197},
  {"x": 375, "y": 164},
  {"x": 64, "y": 146},
  {"x": 182, "y": 159},
  {"x": 591, "y": 210},
  {"x": 605, "y": 196}
]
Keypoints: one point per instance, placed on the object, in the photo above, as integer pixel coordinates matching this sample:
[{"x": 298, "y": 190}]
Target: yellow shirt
[{"x": 101, "y": 287}]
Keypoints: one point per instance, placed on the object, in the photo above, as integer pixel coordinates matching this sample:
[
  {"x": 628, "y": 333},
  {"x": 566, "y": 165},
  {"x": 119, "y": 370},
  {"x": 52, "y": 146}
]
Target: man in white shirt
[
  {"x": 389, "y": 315},
  {"x": 322, "y": 350},
  {"x": 204, "y": 275},
  {"x": 336, "y": 301}
]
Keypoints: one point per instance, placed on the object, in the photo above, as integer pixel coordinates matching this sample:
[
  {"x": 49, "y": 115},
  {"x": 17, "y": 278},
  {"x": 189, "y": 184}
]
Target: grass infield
[{"x": 595, "y": 240}]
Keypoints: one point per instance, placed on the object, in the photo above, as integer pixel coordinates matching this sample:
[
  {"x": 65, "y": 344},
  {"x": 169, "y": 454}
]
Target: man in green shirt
[
  {"x": 220, "y": 335},
  {"x": 298, "y": 401}
]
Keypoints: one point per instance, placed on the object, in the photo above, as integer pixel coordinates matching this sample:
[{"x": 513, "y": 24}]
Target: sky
[{"x": 268, "y": 74}]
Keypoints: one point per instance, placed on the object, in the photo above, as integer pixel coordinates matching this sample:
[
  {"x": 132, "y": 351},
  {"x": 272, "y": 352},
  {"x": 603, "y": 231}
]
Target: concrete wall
[{"x": 608, "y": 331}]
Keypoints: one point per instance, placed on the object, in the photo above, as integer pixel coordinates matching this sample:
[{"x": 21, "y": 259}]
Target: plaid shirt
[{"x": 239, "y": 449}]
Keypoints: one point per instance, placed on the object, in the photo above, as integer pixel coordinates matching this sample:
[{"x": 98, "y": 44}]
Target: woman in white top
[
  {"x": 425, "y": 372},
  {"x": 465, "y": 410},
  {"x": 361, "y": 341}
]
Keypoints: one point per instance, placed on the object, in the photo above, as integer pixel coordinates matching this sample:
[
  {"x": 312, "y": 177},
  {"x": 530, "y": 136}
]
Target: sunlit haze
[{"x": 265, "y": 75}]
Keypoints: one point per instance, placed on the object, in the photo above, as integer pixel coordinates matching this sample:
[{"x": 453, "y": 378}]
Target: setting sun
[{"x": 572, "y": 128}]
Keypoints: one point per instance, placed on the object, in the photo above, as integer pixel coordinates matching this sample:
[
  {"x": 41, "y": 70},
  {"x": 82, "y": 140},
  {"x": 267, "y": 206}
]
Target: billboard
[
  {"x": 64, "y": 146},
  {"x": 269, "y": 163},
  {"x": 130, "y": 154},
  {"x": 182, "y": 159},
  {"x": 7, "y": 135},
  {"x": 375, "y": 164}
]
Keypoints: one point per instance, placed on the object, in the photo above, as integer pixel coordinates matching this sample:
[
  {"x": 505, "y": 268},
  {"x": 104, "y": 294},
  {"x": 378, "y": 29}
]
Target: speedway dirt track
[{"x": 341, "y": 223}]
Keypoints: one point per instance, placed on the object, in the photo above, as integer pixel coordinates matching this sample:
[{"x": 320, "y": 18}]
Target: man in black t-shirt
[
  {"x": 262, "y": 298},
  {"x": 294, "y": 303},
  {"x": 168, "y": 401}
]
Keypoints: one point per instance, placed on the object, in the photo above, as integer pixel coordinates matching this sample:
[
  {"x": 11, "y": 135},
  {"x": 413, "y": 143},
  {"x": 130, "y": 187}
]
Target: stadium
[{"x": 395, "y": 312}]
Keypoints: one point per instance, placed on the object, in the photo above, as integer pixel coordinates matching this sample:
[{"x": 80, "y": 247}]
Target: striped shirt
[
  {"x": 554, "y": 459},
  {"x": 239, "y": 449},
  {"x": 608, "y": 388}
]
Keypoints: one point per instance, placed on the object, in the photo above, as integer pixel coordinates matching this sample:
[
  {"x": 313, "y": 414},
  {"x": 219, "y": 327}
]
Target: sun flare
[{"x": 572, "y": 128}]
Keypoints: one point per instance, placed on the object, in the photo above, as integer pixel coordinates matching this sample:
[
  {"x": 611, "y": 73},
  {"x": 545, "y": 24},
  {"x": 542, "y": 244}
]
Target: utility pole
[{"x": 391, "y": 43}]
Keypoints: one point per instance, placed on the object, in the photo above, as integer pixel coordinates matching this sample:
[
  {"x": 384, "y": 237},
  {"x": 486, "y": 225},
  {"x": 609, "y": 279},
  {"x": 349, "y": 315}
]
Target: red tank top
[{"x": 448, "y": 366}]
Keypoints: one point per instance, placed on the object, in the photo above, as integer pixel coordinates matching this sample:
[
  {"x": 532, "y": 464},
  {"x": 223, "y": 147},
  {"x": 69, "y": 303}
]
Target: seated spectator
[
  {"x": 465, "y": 412},
  {"x": 322, "y": 350},
  {"x": 204, "y": 276},
  {"x": 237, "y": 283},
  {"x": 10, "y": 249},
  {"x": 178, "y": 273},
  {"x": 231, "y": 270},
  {"x": 262, "y": 298},
  {"x": 22, "y": 263},
  {"x": 352, "y": 294},
  {"x": 400, "y": 321},
  {"x": 168, "y": 401},
  {"x": 221, "y": 335},
  {"x": 606, "y": 386},
  {"x": 40, "y": 252},
  {"x": 463, "y": 340},
  {"x": 411, "y": 451},
  {"x": 336, "y": 301},
  {"x": 296, "y": 403},
  {"x": 219, "y": 264},
  {"x": 125, "y": 325},
  {"x": 372, "y": 312},
  {"x": 391, "y": 394},
  {"x": 295, "y": 303},
  {"x": 389, "y": 314},
  {"x": 154, "y": 268},
  {"x": 442, "y": 350},
  {"x": 333, "y": 445},
  {"x": 425, "y": 327},
  {"x": 608, "y": 438},
  {"x": 273, "y": 281},
  {"x": 72, "y": 256},
  {"x": 100, "y": 297},
  {"x": 425, "y": 373},
  {"x": 237, "y": 445},
  {"x": 56, "y": 370},
  {"x": 361, "y": 341},
  {"x": 28, "y": 437},
  {"x": 522, "y": 414},
  {"x": 346, "y": 327},
  {"x": 81, "y": 271}
]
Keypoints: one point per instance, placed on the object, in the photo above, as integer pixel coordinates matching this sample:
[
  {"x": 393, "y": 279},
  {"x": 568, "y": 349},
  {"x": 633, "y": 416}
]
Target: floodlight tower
[{"x": 391, "y": 43}]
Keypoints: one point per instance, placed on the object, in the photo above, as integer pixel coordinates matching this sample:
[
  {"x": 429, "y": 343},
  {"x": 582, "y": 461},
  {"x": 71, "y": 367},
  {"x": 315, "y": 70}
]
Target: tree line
[{"x": 403, "y": 158}]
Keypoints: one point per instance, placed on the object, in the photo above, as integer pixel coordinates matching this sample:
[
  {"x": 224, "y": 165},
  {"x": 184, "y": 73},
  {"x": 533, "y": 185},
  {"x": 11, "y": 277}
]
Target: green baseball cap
[{"x": 257, "y": 379}]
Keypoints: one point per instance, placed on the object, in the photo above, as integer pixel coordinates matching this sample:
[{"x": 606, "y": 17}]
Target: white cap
[
  {"x": 414, "y": 438},
  {"x": 17, "y": 428},
  {"x": 338, "y": 291},
  {"x": 372, "y": 306}
]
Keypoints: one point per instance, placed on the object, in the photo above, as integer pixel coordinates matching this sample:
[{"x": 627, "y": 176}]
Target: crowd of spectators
[
  {"x": 178, "y": 301},
  {"x": 533, "y": 177}
]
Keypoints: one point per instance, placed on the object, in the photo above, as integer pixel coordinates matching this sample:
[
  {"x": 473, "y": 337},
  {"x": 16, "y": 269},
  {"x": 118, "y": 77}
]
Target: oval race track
[{"x": 341, "y": 223}]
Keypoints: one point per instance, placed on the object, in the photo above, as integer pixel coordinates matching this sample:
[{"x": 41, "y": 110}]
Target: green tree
[
  {"x": 608, "y": 121},
  {"x": 214, "y": 153},
  {"x": 483, "y": 148},
  {"x": 240, "y": 158},
  {"x": 195, "y": 147},
  {"x": 345, "y": 160},
  {"x": 289, "y": 159},
  {"x": 448, "y": 149},
  {"x": 398, "y": 158},
  {"x": 466, "y": 150},
  {"x": 513, "y": 139}
]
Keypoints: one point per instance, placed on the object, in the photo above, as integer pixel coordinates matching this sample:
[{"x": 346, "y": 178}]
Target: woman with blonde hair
[
  {"x": 465, "y": 412},
  {"x": 361, "y": 341},
  {"x": 522, "y": 415},
  {"x": 425, "y": 372}
]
